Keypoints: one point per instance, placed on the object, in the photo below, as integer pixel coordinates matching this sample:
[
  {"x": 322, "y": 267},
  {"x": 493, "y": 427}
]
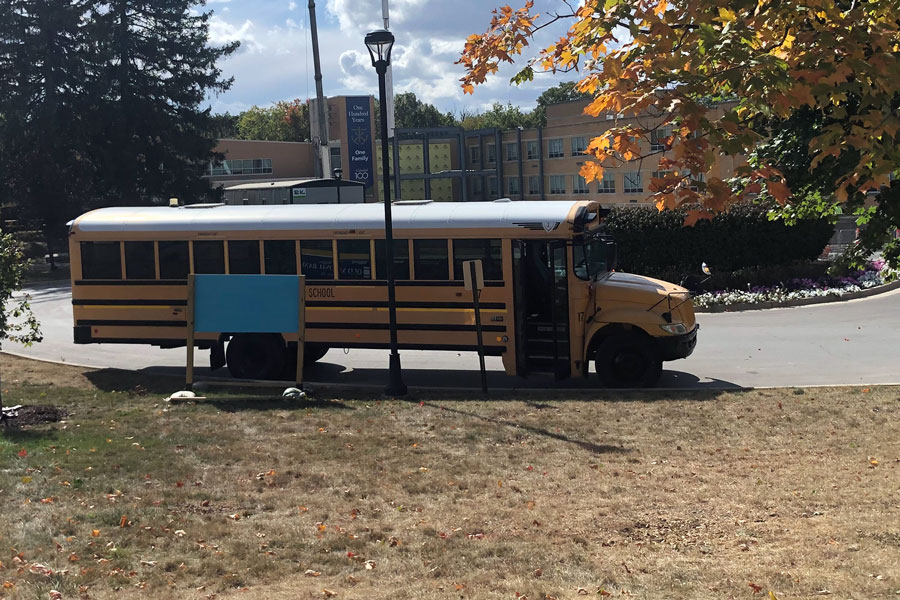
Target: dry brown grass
[{"x": 649, "y": 495}]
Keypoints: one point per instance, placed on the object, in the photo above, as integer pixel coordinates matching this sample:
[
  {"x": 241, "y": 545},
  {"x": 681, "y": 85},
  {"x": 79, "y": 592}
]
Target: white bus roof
[{"x": 533, "y": 215}]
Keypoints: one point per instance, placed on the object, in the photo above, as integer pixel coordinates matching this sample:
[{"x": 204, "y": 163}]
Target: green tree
[
  {"x": 17, "y": 322},
  {"x": 281, "y": 122},
  {"x": 410, "y": 112},
  {"x": 502, "y": 117},
  {"x": 567, "y": 91},
  {"x": 156, "y": 62},
  {"x": 46, "y": 85},
  {"x": 224, "y": 126}
]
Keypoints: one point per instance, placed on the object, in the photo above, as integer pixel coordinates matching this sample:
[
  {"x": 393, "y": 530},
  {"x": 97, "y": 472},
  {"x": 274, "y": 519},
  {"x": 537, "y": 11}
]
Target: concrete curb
[{"x": 744, "y": 306}]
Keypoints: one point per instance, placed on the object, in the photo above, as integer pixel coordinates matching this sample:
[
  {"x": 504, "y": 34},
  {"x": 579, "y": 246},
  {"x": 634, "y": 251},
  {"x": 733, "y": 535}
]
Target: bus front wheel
[
  {"x": 256, "y": 355},
  {"x": 628, "y": 360}
]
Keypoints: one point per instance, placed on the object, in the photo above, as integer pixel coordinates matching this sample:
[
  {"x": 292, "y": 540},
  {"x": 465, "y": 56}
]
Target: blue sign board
[
  {"x": 246, "y": 303},
  {"x": 359, "y": 140}
]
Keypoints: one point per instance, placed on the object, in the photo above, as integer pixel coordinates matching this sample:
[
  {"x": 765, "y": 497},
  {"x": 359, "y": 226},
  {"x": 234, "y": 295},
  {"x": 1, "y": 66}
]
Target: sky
[{"x": 275, "y": 59}]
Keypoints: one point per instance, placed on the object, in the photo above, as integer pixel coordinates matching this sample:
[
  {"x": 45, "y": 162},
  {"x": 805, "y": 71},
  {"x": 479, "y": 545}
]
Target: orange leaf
[
  {"x": 123, "y": 522},
  {"x": 95, "y": 533},
  {"x": 779, "y": 191},
  {"x": 23, "y": 453}
]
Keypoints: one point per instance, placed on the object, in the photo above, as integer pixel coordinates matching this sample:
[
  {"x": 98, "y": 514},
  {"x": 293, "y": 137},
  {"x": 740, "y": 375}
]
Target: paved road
[{"x": 854, "y": 342}]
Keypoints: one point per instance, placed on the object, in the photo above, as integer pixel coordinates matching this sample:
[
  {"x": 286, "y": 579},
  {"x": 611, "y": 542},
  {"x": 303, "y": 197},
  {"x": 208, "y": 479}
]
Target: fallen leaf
[
  {"x": 235, "y": 517},
  {"x": 756, "y": 588},
  {"x": 370, "y": 565},
  {"x": 123, "y": 522},
  {"x": 23, "y": 453},
  {"x": 328, "y": 593},
  {"x": 95, "y": 533},
  {"x": 73, "y": 558},
  {"x": 311, "y": 573}
]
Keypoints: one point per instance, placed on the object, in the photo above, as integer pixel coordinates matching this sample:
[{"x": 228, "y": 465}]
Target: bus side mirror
[{"x": 612, "y": 256}]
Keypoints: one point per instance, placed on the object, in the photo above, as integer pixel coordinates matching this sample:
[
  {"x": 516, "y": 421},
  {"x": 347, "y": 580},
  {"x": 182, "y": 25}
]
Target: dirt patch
[{"x": 35, "y": 415}]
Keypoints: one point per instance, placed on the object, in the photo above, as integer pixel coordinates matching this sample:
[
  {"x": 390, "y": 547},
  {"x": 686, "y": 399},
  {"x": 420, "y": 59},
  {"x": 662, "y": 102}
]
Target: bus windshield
[{"x": 590, "y": 258}]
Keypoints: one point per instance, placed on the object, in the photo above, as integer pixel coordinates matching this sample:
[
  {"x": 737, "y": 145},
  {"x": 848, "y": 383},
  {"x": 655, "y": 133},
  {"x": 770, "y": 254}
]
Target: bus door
[{"x": 541, "y": 307}]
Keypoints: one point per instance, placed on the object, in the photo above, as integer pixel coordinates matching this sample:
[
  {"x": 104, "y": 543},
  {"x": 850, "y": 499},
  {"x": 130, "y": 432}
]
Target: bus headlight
[{"x": 674, "y": 328}]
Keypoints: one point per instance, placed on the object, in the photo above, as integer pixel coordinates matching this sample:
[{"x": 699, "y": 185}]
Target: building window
[
  {"x": 241, "y": 166},
  {"x": 512, "y": 186},
  {"x": 658, "y": 137},
  {"x": 579, "y": 185},
  {"x": 579, "y": 145},
  {"x": 512, "y": 151},
  {"x": 697, "y": 181},
  {"x": 335, "y": 152},
  {"x": 633, "y": 183},
  {"x": 531, "y": 150},
  {"x": 476, "y": 186},
  {"x": 534, "y": 184},
  {"x": 492, "y": 153},
  {"x": 475, "y": 154},
  {"x": 608, "y": 184},
  {"x": 555, "y": 148},
  {"x": 492, "y": 187},
  {"x": 659, "y": 175},
  {"x": 557, "y": 184}
]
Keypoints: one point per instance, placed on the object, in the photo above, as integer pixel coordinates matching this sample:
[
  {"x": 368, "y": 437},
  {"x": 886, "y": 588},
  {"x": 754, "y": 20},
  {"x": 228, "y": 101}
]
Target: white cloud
[
  {"x": 223, "y": 32},
  {"x": 292, "y": 5}
]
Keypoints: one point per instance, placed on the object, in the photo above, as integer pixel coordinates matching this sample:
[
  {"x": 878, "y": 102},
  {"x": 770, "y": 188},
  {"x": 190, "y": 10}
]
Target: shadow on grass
[
  {"x": 584, "y": 445},
  {"x": 266, "y": 401}
]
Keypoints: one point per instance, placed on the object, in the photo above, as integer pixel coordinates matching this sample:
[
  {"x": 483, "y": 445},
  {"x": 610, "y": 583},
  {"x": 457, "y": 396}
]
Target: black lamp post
[
  {"x": 379, "y": 43},
  {"x": 336, "y": 173}
]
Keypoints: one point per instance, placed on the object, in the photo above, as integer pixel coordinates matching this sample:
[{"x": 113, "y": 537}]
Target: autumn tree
[{"x": 659, "y": 63}]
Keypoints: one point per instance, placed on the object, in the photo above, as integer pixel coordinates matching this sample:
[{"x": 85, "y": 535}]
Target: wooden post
[
  {"x": 189, "y": 376},
  {"x": 301, "y": 327}
]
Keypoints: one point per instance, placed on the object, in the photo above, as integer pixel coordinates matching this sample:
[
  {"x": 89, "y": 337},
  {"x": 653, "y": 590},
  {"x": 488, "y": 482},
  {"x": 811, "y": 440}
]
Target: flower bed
[{"x": 874, "y": 275}]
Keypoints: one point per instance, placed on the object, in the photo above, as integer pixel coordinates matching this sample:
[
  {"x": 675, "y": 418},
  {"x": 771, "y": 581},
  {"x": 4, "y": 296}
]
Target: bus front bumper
[{"x": 679, "y": 346}]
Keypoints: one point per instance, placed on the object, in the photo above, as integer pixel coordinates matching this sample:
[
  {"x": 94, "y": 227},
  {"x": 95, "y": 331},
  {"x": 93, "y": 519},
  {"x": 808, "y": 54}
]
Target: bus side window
[
  {"x": 401, "y": 259},
  {"x": 431, "y": 259},
  {"x": 174, "y": 260},
  {"x": 354, "y": 260},
  {"x": 209, "y": 257},
  {"x": 488, "y": 251},
  {"x": 317, "y": 259},
  {"x": 140, "y": 260},
  {"x": 243, "y": 257},
  {"x": 280, "y": 257},
  {"x": 101, "y": 260}
]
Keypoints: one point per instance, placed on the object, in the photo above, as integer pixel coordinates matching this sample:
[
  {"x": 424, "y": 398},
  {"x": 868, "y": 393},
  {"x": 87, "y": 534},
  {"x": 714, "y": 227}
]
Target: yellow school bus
[{"x": 552, "y": 301}]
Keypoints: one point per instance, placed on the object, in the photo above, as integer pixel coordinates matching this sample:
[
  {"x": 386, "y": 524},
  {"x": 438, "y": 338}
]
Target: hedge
[{"x": 657, "y": 243}]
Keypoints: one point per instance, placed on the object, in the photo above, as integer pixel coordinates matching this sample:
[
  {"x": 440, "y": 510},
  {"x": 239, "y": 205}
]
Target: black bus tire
[
  {"x": 256, "y": 355},
  {"x": 628, "y": 360}
]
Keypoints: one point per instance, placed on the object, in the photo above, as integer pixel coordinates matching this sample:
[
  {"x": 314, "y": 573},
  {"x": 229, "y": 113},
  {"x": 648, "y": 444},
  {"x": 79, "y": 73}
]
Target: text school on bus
[{"x": 552, "y": 301}]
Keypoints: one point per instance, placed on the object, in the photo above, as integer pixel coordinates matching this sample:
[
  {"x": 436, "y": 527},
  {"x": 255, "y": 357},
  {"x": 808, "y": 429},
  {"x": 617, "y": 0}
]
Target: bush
[{"x": 657, "y": 244}]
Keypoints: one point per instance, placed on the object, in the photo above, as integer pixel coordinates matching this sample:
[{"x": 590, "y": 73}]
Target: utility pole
[
  {"x": 388, "y": 77},
  {"x": 320, "y": 97}
]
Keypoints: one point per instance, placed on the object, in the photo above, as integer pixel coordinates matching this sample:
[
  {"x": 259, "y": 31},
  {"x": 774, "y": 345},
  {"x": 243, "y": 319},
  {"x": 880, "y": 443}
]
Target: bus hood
[{"x": 626, "y": 287}]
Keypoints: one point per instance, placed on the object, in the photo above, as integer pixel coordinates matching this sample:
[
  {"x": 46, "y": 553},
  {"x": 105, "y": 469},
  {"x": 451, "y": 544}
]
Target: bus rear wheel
[
  {"x": 628, "y": 360},
  {"x": 256, "y": 355}
]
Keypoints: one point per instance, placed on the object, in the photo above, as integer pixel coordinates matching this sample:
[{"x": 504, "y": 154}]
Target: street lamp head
[
  {"x": 379, "y": 43},
  {"x": 337, "y": 173}
]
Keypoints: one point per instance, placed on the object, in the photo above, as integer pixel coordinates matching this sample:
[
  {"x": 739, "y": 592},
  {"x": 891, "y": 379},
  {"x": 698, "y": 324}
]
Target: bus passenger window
[
  {"x": 280, "y": 257},
  {"x": 173, "y": 260},
  {"x": 243, "y": 257},
  {"x": 401, "y": 259},
  {"x": 140, "y": 261},
  {"x": 209, "y": 257},
  {"x": 431, "y": 259},
  {"x": 101, "y": 260},
  {"x": 317, "y": 259},
  {"x": 354, "y": 261},
  {"x": 488, "y": 251}
]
